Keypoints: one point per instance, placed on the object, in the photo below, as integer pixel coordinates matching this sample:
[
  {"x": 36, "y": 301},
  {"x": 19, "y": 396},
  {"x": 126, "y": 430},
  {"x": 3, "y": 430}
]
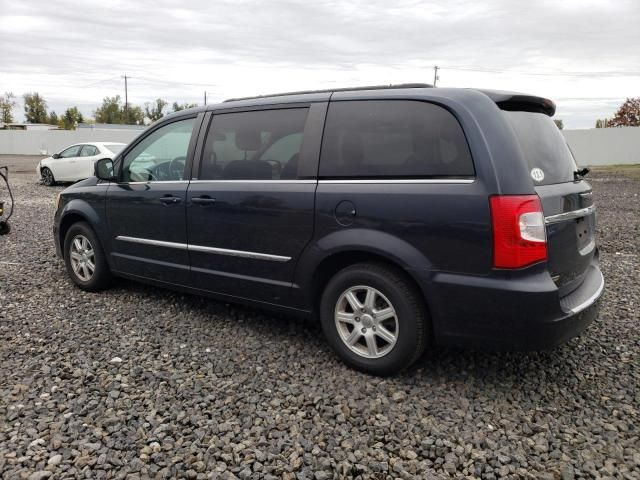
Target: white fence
[
  {"x": 605, "y": 146},
  {"x": 47, "y": 142},
  {"x": 597, "y": 146}
]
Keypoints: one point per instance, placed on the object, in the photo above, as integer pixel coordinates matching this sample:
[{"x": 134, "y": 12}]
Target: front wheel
[
  {"x": 47, "y": 177},
  {"x": 374, "y": 318},
  {"x": 84, "y": 258}
]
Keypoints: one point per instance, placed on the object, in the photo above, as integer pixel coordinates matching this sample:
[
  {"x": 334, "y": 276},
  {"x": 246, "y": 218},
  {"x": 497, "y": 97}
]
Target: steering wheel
[{"x": 176, "y": 169}]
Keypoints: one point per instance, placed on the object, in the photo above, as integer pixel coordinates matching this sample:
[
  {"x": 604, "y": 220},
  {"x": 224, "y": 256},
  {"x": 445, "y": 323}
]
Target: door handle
[
  {"x": 203, "y": 200},
  {"x": 170, "y": 199}
]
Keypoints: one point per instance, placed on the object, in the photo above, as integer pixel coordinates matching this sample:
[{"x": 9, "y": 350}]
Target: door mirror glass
[
  {"x": 55, "y": 156},
  {"x": 104, "y": 169}
]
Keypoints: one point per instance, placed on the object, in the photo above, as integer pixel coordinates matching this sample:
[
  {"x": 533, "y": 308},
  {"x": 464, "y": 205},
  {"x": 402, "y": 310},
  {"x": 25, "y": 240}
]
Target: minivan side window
[
  {"x": 161, "y": 155},
  {"x": 393, "y": 139},
  {"x": 257, "y": 145}
]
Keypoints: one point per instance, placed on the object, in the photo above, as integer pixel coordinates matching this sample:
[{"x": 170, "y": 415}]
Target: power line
[
  {"x": 610, "y": 73},
  {"x": 100, "y": 81},
  {"x": 172, "y": 82}
]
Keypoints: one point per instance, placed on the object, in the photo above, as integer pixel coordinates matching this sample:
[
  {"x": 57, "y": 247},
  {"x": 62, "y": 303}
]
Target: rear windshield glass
[
  {"x": 549, "y": 158},
  {"x": 114, "y": 147}
]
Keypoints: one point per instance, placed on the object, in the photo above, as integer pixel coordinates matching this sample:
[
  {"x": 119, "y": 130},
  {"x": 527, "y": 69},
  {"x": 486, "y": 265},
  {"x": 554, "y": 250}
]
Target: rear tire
[
  {"x": 374, "y": 318},
  {"x": 47, "y": 177},
  {"x": 84, "y": 258}
]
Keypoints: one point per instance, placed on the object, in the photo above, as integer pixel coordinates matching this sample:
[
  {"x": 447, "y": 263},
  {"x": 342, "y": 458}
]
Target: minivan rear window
[
  {"x": 393, "y": 139},
  {"x": 545, "y": 149}
]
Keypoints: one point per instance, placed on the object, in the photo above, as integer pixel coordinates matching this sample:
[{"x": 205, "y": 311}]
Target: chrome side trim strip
[
  {"x": 203, "y": 249},
  {"x": 253, "y": 181},
  {"x": 238, "y": 253},
  {"x": 155, "y": 243},
  {"x": 404, "y": 180},
  {"x": 561, "y": 217},
  {"x": 592, "y": 298},
  {"x": 151, "y": 181}
]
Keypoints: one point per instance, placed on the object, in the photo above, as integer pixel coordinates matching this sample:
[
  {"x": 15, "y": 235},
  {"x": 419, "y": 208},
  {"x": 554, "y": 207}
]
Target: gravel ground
[{"x": 139, "y": 382}]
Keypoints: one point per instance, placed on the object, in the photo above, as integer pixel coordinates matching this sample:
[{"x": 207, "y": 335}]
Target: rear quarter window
[
  {"x": 546, "y": 151},
  {"x": 393, "y": 139}
]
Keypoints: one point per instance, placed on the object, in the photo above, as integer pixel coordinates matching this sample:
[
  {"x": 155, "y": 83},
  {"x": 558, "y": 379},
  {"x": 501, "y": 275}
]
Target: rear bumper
[{"x": 511, "y": 310}]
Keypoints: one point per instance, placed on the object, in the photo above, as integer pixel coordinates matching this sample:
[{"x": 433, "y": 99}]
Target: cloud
[{"x": 74, "y": 52}]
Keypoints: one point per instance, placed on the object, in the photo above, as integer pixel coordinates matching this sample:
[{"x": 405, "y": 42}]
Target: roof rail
[{"x": 331, "y": 90}]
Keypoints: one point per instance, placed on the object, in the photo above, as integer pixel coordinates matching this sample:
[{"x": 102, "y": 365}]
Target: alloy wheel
[
  {"x": 82, "y": 256},
  {"x": 366, "y": 321},
  {"x": 47, "y": 177}
]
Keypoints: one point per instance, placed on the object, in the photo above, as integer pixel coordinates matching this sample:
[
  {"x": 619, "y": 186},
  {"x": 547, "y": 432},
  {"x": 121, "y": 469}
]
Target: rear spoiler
[{"x": 521, "y": 102}]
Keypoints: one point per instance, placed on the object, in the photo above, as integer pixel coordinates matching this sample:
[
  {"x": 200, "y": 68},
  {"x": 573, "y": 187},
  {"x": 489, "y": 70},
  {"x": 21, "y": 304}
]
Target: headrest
[
  {"x": 248, "y": 140},
  {"x": 247, "y": 170}
]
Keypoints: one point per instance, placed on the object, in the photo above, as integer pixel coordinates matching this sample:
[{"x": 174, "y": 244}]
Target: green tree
[
  {"x": 559, "y": 124},
  {"x": 7, "y": 102},
  {"x": 35, "y": 108},
  {"x": 71, "y": 118},
  {"x": 53, "y": 118},
  {"x": 177, "y": 106},
  {"x": 602, "y": 123},
  {"x": 628, "y": 115},
  {"x": 155, "y": 110},
  {"x": 110, "y": 111},
  {"x": 113, "y": 111},
  {"x": 134, "y": 115}
]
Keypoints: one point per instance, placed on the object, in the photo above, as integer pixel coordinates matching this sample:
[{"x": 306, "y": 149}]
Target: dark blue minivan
[{"x": 397, "y": 216}]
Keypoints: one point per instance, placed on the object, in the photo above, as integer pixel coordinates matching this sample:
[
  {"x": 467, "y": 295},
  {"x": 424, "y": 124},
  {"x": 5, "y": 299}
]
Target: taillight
[{"x": 519, "y": 235}]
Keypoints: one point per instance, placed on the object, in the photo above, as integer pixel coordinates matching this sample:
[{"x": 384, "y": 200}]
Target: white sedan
[{"x": 75, "y": 162}]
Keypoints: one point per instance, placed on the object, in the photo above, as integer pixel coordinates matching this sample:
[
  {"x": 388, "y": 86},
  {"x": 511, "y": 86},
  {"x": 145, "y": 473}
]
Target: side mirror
[
  {"x": 104, "y": 170},
  {"x": 55, "y": 155}
]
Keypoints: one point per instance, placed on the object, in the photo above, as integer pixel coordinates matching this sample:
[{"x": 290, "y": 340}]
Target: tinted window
[
  {"x": 161, "y": 155},
  {"x": 543, "y": 146},
  {"x": 395, "y": 139},
  {"x": 88, "y": 151},
  {"x": 260, "y": 145},
  {"x": 71, "y": 152}
]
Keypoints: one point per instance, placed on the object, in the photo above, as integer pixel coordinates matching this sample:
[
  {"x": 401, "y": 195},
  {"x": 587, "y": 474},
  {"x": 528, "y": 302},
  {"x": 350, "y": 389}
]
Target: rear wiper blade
[{"x": 580, "y": 174}]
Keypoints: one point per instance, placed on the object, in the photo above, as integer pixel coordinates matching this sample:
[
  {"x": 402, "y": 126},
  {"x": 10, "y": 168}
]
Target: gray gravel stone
[{"x": 209, "y": 390}]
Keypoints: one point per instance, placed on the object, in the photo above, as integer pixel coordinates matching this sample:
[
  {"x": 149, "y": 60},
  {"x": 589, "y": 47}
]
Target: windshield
[
  {"x": 547, "y": 153},
  {"x": 114, "y": 147}
]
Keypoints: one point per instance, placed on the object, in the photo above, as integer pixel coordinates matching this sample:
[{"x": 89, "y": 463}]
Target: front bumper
[
  {"x": 56, "y": 233},
  {"x": 511, "y": 310}
]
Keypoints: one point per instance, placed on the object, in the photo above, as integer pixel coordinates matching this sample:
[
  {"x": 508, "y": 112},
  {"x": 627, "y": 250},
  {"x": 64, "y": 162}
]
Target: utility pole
[
  {"x": 126, "y": 101},
  {"x": 435, "y": 75},
  {"x": 205, "y": 97}
]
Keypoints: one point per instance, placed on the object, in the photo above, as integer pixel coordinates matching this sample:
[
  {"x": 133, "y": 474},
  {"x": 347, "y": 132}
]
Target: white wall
[
  {"x": 605, "y": 146},
  {"x": 596, "y": 146},
  {"x": 47, "y": 142}
]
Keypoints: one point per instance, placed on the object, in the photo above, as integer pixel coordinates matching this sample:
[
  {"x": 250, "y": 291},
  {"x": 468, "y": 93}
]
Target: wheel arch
[
  {"x": 74, "y": 212},
  {"x": 348, "y": 247}
]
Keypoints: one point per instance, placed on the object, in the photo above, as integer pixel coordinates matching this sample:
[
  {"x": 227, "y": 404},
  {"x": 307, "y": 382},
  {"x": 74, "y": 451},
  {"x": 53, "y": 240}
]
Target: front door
[
  {"x": 250, "y": 212},
  {"x": 146, "y": 208},
  {"x": 66, "y": 163}
]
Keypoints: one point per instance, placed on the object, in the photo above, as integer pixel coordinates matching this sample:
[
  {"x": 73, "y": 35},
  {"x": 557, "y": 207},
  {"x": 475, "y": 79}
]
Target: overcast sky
[{"x": 584, "y": 54}]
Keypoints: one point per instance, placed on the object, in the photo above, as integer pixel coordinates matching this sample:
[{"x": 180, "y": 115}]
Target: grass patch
[{"x": 632, "y": 170}]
